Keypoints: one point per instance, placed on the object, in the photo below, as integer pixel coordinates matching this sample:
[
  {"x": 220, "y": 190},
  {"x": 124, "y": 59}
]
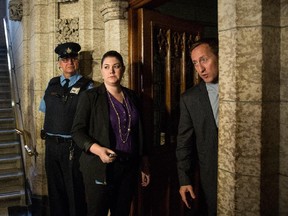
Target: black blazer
[
  {"x": 198, "y": 130},
  {"x": 91, "y": 125}
]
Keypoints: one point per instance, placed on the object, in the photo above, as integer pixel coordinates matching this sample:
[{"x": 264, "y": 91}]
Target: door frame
[{"x": 139, "y": 67}]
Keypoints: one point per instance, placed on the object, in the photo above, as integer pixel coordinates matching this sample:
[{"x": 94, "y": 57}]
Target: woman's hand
[{"x": 106, "y": 155}]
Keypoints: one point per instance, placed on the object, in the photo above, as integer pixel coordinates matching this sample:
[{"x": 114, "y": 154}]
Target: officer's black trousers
[{"x": 65, "y": 182}]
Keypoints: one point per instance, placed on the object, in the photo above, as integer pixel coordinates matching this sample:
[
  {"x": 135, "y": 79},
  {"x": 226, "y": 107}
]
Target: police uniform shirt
[{"x": 73, "y": 80}]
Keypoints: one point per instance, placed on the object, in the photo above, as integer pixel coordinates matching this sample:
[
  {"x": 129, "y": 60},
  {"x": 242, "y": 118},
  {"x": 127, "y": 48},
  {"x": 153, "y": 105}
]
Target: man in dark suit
[{"x": 197, "y": 141}]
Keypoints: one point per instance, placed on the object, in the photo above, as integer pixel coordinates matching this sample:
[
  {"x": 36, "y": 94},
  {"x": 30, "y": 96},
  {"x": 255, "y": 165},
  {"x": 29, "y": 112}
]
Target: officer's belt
[{"x": 59, "y": 139}]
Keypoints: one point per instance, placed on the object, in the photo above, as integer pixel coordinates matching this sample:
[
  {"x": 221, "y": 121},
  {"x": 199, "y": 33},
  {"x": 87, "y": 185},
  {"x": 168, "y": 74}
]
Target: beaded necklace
[{"x": 123, "y": 136}]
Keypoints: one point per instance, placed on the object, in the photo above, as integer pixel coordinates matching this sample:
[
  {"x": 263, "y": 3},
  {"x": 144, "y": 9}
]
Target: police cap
[{"x": 69, "y": 49}]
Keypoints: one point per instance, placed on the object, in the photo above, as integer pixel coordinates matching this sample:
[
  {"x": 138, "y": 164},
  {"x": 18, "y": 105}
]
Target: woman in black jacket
[{"x": 107, "y": 127}]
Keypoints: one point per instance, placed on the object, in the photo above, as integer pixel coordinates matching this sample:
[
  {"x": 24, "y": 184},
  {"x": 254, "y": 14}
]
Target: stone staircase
[{"x": 12, "y": 179}]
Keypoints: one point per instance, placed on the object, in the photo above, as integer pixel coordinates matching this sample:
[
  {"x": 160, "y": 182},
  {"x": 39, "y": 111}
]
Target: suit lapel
[{"x": 104, "y": 108}]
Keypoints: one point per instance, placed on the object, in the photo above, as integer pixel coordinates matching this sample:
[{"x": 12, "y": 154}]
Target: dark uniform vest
[{"x": 61, "y": 106}]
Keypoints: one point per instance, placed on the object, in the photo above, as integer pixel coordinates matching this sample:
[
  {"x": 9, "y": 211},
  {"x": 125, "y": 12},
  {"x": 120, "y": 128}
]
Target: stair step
[
  {"x": 5, "y": 103},
  {"x": 7, "y": 131},
  {"x": 4, "y": 70},
  {"x": 5, "y": 95},
  {"x": 13, "y": 198},
  {"x": 11, "y": 179},
  {"x": 7, "y": 122},
  {"x": 10, "y": 161},
  {"x": 9, "y": 157},
  {"x": 4, "y": 84},
  {"x": 6, "y": 112},
  {"x": 8, "y": 135},
  {"x": 8, "y": 174},
  {"x": 11, "y": 195},
  {"x": 4, "y": 79},
  {"x": 9, "y": 147},
  {"x": 6, "y": 119},
  {"x": 8, "y": 144},
  {"x": 5, "y": 92}
]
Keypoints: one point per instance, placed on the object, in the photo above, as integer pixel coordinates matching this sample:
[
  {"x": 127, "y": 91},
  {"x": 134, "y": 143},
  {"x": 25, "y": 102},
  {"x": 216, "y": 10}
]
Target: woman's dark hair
[
  {"x": 112, "y": 53},
  {"x": 212, "y": 43}
]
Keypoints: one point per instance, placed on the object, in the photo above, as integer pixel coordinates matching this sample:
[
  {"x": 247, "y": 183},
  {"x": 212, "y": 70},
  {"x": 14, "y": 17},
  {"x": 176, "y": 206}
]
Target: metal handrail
[
  {"x": 18, "y": 114},
  {"x": 26, "y": 147},
  {"x": 16, "y": 97}
]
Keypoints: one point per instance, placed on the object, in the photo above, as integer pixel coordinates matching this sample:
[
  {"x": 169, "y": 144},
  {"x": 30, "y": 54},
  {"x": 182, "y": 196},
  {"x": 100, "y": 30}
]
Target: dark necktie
[
  {"x": 66, "y": 85},
  {"x": 65, "y": 92}
]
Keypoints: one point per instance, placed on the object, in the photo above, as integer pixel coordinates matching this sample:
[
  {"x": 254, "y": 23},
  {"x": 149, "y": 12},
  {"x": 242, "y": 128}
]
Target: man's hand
[
  {"x": 145, "y": 179},
  {"x": 186, "y": 192}
]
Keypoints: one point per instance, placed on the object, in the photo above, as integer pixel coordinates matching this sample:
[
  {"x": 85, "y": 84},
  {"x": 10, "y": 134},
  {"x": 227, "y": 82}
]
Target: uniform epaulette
[
  {"x": 83, "y": 82},
  {"x": 54, "y": 80}
]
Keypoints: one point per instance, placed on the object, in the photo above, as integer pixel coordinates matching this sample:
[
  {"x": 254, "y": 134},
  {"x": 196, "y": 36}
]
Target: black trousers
[
  {"x": 117, "y": 194},
  {"x": 65, "y": 182}
]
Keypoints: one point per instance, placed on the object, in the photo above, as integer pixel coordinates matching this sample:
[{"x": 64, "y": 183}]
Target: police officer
[{"x": 65, "y": 184}]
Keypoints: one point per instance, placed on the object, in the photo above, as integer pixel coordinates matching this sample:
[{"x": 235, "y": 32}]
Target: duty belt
[{"x": 59, "y": 139}]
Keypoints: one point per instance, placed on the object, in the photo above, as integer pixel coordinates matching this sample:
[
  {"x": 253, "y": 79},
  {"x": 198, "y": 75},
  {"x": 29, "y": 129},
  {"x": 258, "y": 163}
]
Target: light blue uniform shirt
[{"x": 73, "y": 80}]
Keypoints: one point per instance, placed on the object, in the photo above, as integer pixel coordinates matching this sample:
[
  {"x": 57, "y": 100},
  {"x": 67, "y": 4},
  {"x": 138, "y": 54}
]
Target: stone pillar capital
[{"x": 114, "y": 10}]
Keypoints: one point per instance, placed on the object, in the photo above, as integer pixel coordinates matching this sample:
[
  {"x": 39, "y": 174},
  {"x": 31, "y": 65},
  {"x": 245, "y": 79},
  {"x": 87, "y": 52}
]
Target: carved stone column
[
  {"x": 250, "y": 110},
  {"x": 114, "y": 10},
  {"x": 116, "y": 28}
]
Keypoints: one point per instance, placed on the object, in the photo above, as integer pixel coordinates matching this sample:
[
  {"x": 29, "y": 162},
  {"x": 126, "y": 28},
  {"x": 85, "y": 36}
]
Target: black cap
[{"x": 69, "y": 49}]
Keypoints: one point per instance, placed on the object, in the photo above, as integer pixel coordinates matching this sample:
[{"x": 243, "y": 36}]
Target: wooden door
[{"x": 160, "y": 70}]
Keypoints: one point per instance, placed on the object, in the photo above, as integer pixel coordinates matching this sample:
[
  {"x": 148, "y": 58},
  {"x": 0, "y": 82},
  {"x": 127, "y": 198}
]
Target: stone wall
[
  {"x": 253, "y": 108},
  {"x": 253, "y": 118}
]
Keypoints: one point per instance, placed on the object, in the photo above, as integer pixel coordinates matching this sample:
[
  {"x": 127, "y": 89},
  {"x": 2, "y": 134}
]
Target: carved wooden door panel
[{"x": 161, "y": 70}]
